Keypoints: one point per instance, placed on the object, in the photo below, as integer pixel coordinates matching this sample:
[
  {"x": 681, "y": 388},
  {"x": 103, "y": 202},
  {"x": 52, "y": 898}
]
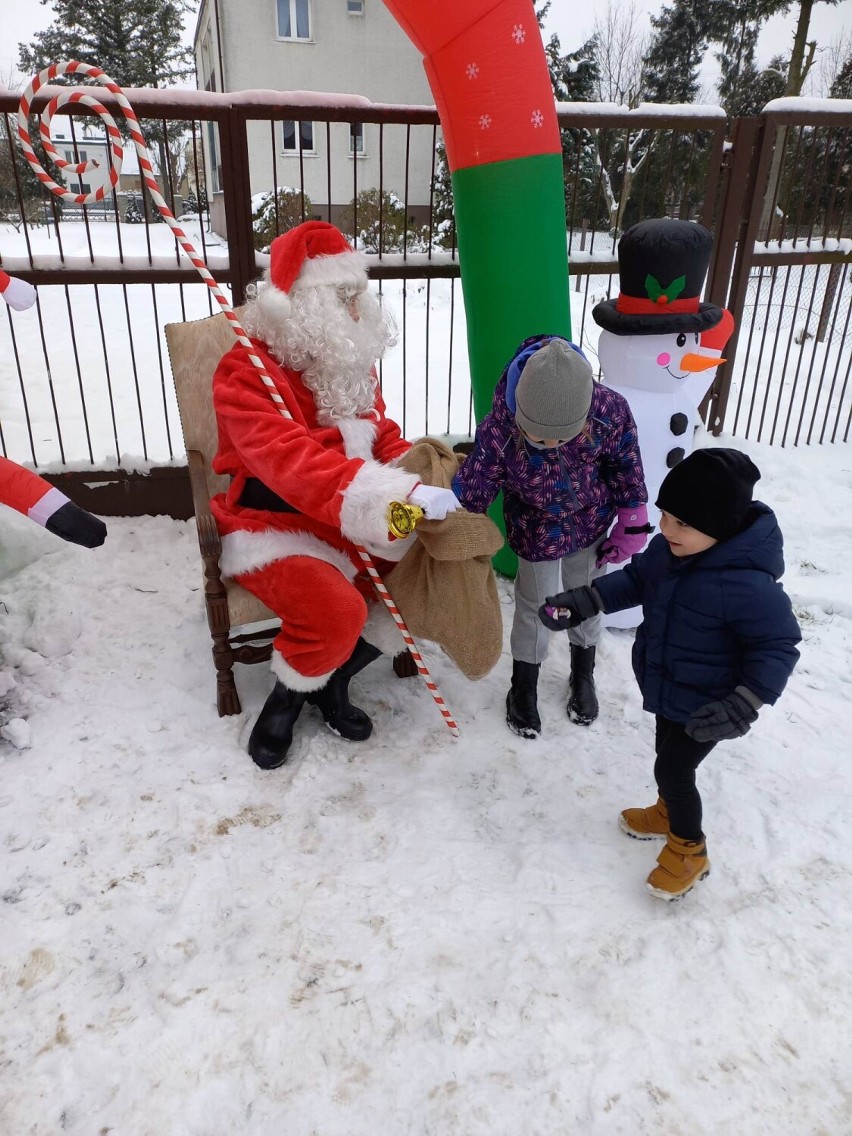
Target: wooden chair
[{"x": 195, "y": 350}]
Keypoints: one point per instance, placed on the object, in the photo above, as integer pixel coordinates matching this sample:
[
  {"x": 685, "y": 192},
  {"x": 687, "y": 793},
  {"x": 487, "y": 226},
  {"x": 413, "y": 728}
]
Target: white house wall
[{"x": 366, "y": 55}]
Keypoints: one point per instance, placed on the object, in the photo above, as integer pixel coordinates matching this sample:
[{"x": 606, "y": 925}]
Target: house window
[
  {"x": 355, "y": 7},
  {"x": 297, "y": 140},
  {"x": 294, "y": 19},
  {"x": 215, "y": 162},
  {"x": 356, "y": 138}
]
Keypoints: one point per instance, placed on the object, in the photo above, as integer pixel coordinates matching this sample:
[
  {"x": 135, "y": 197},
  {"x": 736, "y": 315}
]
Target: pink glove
[{"x": 628, "y": 536}]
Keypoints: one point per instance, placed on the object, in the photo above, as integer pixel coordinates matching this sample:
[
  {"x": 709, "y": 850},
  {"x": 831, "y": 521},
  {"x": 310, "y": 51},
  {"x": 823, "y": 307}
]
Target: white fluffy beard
[{"x": 318, "y": 338}]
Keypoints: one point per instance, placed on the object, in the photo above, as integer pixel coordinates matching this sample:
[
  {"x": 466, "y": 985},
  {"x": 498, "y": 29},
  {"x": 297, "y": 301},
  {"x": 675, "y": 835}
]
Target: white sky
[{"x": 21, "y": 19}]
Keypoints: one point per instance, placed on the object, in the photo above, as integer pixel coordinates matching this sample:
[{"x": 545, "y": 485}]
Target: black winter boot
[
  {"x": 522, "y": 700},
  {"x": 272, "y": 734},
  {"x": 339, "y": 714},
  {"x": 582, "y": 699}
]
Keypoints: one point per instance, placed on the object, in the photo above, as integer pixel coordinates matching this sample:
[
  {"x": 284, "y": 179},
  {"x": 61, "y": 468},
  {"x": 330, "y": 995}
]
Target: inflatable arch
[{"x": 487, "y": 69}]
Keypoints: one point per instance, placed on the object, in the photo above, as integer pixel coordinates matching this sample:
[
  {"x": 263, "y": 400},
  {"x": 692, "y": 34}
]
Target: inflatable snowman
[{"x": 660, "y": 345}]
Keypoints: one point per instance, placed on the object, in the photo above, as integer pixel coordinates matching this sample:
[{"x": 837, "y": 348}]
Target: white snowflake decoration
[
  {"x": 472, "y": 70},
  {"x": 484, "y": 121},
  {"x": 518, "y": 33},
  {"x": 537, "y": 119}
]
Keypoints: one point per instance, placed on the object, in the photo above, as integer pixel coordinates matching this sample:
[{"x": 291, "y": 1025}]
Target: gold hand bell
[{"x": 402, "y": 518}]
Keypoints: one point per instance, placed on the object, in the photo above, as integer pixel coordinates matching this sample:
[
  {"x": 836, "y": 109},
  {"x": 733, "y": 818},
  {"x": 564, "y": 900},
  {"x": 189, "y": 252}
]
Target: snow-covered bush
[
  {"x": 380, "y": 222},
  {"x": 274, "y": 214}
]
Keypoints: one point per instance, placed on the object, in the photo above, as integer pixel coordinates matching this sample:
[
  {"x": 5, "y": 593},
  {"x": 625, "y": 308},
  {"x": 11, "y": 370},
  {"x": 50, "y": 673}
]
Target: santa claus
[{"x": 306, "y": 490}]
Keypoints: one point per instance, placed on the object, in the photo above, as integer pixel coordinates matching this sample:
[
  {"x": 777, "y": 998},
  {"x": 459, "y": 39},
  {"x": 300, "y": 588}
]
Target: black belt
[{"x": 256, "y": 495}]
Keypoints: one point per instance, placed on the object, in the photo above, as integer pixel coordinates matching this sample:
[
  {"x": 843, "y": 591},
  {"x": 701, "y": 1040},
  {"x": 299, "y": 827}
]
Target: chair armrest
[
  {"x": 198, "y": 483},
  {"x": 209, "y": 543}
]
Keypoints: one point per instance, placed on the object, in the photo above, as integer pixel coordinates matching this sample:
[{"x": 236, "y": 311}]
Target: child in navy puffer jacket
[
  {"x": 717, "y": 639},
  {"x": 564, "y": 451}
]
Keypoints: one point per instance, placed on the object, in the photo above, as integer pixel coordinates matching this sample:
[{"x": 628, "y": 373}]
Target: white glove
[
  {"x": 18, "y": 294},
  {"x": 434, "y": 501}
]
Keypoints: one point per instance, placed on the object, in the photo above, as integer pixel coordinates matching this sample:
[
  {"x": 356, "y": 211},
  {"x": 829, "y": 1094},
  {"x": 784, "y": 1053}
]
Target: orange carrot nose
[{"x": 691, "y": 362}]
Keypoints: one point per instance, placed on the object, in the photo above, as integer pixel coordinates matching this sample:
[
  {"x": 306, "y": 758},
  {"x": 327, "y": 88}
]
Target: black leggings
[{"x": 678, "y": 756}]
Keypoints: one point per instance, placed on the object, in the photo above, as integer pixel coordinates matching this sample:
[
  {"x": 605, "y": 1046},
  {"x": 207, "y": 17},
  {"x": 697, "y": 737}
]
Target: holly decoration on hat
[{"x": 661, "y": 295}]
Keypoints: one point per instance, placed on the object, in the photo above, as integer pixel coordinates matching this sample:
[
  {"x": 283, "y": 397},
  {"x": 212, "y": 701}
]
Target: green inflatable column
[{"x": 487, "y": 68}]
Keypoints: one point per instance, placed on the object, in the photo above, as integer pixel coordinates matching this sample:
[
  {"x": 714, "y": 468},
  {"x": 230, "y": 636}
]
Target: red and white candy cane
[{"x": 116, "y": 154}]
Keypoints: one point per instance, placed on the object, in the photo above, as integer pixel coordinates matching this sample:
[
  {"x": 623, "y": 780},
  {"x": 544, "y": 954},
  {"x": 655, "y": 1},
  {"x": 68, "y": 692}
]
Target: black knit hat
[{"x": 710, "y": 490}]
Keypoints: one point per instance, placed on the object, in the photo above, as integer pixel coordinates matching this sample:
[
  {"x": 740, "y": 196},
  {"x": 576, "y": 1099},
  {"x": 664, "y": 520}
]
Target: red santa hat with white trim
[
  {"x": 315, "y": 253},
  {"x": 18, "y": 294}
]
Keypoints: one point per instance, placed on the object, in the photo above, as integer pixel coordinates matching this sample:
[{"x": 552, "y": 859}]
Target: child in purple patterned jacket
[{"x": 563, "y": 449}]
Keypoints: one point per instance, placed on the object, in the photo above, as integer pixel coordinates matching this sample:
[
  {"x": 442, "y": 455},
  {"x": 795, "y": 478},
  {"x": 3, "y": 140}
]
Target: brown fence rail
[{"x": 84, "y": 377}]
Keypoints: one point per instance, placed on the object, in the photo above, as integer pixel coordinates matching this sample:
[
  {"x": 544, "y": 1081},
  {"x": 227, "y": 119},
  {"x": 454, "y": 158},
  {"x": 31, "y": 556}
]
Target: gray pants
[{"x": 537, "y": 580}]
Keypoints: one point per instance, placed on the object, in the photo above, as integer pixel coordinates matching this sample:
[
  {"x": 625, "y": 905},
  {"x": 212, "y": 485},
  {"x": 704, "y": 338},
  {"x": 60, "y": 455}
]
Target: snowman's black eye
[
  {"x": 681, "y": 340},
  {"x": 697, "y": 338}
]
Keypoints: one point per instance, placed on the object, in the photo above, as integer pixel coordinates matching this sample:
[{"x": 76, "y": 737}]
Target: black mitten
[
  {"x": 729, "y": 718},
  {"x": 75, "y": 524},
  {"x": 569, "y": 608}
]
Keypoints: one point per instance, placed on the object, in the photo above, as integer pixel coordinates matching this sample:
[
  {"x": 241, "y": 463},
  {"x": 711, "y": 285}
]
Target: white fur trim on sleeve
[
  {"x": 47, "y": 505},
  {"x": 364, "y": 513},
  {"x": 358, "y": 435}
]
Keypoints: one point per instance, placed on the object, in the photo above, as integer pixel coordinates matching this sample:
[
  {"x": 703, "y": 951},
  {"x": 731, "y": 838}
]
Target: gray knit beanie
[{"x": 554, "y": 392}]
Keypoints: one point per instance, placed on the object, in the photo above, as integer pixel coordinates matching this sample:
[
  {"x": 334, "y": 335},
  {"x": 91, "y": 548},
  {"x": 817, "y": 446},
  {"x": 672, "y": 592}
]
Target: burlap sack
[{"x": 445, "y": 585}]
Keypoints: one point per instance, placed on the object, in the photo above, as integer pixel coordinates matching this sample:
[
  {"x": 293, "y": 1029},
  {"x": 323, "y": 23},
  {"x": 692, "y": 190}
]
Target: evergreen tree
[
  {"x": 735, "y": 26},
  {"x": 133, "y": 214},
  {"x": 22, "y": 196},
  {"x": 677, "y": 50},
  {"x": 443, "y": 217},
  {"x": 576, "y": 79},
  {"x": 138, "y": 45},
  {"x": 674, "y": 176}
]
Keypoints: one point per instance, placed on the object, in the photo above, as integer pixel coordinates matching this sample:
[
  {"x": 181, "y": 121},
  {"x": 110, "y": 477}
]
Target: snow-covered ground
[{"x": 413, "y": 935}]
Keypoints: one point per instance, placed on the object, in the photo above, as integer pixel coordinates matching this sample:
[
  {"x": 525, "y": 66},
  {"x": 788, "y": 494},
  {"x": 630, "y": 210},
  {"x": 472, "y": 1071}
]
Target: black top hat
[{"x": 661, "y": 266}]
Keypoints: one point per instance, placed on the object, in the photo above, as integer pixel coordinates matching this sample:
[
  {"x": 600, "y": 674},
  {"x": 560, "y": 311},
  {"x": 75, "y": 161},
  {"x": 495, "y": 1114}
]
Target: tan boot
[
  {"x": 645, "y": 824},
  {"x": 680, "y": 865}
]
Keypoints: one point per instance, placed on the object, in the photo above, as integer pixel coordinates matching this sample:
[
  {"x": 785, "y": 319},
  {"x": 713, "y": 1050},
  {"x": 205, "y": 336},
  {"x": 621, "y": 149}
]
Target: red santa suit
[{"x": 303, "y": 493}]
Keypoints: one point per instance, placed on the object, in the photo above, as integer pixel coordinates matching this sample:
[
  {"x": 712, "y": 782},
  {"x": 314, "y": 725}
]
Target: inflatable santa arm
[
  {"x": 47, "y": 506},
  {"x": 26, "y": 491}
]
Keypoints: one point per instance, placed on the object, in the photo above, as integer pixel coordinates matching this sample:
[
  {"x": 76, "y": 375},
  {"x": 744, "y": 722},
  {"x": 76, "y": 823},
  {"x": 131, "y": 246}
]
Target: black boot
[
  {"x": 522, "y": 701},
  {"x": 273, "y": 731},
  {"x": 582, "y": 699},
  {"x": 333, "y": 700}
]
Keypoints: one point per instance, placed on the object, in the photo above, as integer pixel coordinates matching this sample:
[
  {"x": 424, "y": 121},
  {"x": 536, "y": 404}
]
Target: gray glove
[{"x": 730, "y": 718}]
